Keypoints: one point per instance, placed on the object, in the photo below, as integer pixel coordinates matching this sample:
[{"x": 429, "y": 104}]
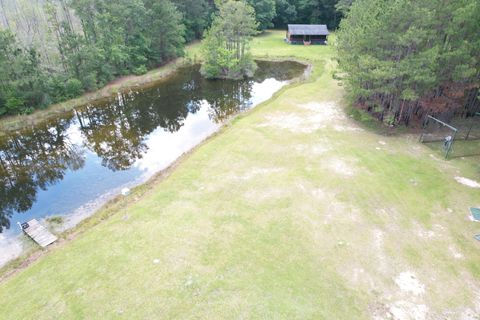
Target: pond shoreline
[
  {"x": 112, "y": 206},
  {"x": 105, "y": 211},
  {"x": 124, "y": 83},
  {"x": 121, "y": 84}
]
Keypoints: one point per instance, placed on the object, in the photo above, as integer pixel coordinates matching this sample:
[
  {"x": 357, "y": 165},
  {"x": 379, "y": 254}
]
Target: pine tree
[
  {"x": 226, "y": 45},
  {"x": 402, "y": 58}
]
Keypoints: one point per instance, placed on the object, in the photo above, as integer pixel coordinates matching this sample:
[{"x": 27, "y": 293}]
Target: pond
[{"x": 71, "y": 165}]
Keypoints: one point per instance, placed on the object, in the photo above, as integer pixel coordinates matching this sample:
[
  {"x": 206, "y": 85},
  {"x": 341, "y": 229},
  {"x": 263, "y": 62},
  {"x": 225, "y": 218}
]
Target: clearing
[{"x": 293, "y": 211}]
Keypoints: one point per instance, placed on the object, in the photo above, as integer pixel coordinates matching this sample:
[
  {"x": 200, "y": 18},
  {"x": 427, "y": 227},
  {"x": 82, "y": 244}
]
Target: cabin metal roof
[{"x": 308, "y": 29}]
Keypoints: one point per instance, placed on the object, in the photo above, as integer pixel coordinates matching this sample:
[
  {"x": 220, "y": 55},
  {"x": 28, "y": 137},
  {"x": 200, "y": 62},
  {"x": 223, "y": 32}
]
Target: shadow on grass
[
  {"x": 461, "y": 148},
  {"x": 372, "y": 124}
]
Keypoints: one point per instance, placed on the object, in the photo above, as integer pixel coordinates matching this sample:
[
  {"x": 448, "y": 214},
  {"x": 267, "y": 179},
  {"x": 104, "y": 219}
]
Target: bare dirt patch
[
  {"x": 259, "y": 195},
  {"x": 405, "y": 310},
  {"x": 342, "y": 167},
  {"x": 324, "y": 210},
  {"x": 455, "y": 253},
  {"x": 316, "y": 149},
  {"x": 328, "y": 110},
  {"x": 329, "y": 113},
  {"x": 408, "y": 303},
  {"x": 321, "y": 115},
  {"x": 426, "y": 234},
  {"x": 467, "y": 182},
  {"x": 408, "y": 282},
  {"x": 292, "y": 122},
  {"x": 469, "y": 314},
  {"x": 256, "y": 172},
  {"x": 378, "y": 240}
]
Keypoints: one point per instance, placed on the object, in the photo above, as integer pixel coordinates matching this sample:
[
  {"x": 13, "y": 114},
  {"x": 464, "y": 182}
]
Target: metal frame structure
[{"x": 448, "y": 143}]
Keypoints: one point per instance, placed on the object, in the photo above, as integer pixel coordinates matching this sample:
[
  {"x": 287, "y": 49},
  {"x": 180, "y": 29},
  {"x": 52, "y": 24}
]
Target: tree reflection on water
[
  {"x": 116, "y": 130},
  {"x": 34, "y": 160}
]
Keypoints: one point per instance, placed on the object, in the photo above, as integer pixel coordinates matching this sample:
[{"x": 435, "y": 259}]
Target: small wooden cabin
[{"x": 307, "y": 34}]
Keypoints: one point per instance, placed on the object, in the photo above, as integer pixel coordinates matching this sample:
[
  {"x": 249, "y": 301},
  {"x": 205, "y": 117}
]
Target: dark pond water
[{"x": 71, "y": 165}]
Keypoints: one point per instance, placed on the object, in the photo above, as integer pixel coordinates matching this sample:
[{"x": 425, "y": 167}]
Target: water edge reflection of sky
[{"x": 101, "y": 149}]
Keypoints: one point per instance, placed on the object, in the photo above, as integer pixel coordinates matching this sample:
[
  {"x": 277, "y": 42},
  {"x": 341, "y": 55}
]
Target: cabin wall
[
  {"x": 320, "y": 39},
  {"x": 299, "y": 39}
]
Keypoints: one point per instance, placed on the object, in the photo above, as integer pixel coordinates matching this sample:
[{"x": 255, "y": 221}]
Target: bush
[
  {"x": 55, "y": 220},
  {"x": 140, "y": 70},
  {"x": 73, "y": 88},
  {"x": 28, "y": 110},
  {"x": 90, "y": 82},
  {"x": 14, "y": 105}
]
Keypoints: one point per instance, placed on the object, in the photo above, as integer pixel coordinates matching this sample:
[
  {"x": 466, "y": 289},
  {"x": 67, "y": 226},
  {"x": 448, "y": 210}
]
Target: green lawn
[{"x": 293, "y": 211}]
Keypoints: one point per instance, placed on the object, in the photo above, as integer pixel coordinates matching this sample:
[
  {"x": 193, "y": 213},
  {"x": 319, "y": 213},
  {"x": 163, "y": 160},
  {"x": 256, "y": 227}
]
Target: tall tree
[
  {"x": 343, "y": 6},
  {"x": 318, "y": 11},
  {"x": 226, "y": 45},
  {"x": 165, "y": 31},
  {"x": 286, "y": 12},
  {"x": 21, "y": 79},
  {"x": 405, "y": 58},
  {"x": 195, "y": 16},
  {"x": 264, "y": 12}
]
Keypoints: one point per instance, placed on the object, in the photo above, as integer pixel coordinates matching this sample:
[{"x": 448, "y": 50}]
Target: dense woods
[
  {"x": 405, "y": 59},
  {"x": 92, "y": 42},
  {"x": 327, "y": 12}
]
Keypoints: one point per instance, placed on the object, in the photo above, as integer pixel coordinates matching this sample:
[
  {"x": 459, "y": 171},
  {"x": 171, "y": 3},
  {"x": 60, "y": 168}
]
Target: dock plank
[{"x": 39, "y": 233}]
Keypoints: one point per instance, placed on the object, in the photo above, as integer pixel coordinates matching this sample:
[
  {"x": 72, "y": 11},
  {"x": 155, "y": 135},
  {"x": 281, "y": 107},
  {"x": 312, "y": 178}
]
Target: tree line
[
  {"x": 405, "y": 59},
  {"x": 94, "y": 41},
  {"x": 53, "y": 50}
]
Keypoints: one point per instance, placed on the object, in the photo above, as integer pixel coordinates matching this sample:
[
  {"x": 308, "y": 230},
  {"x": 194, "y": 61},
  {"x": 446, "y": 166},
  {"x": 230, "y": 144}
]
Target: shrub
[
  {"x": 73, "y": 88},
  {"x": 140, "y": 70}
]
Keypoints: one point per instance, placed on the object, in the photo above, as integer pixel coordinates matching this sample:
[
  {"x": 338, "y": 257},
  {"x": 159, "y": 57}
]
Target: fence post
[
  {"x": 468, "y": 133},
  {"x": 450, "y": 145}
]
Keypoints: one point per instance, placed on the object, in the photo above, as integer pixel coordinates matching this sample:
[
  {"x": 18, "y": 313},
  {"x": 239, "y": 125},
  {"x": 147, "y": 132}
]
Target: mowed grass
[{"x": 293, "y": 211}]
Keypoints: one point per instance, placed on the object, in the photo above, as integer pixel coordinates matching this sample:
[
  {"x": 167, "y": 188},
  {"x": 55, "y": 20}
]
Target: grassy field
[{"x": 293, "y": 211}]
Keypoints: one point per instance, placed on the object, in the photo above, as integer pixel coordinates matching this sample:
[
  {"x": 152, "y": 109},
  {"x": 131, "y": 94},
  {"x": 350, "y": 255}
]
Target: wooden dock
[{"x": 38, "y": 233}]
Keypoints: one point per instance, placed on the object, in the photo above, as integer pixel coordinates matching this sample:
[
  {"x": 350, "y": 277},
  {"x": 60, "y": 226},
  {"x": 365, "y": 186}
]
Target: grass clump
[{"x": 55, "y": 220}]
